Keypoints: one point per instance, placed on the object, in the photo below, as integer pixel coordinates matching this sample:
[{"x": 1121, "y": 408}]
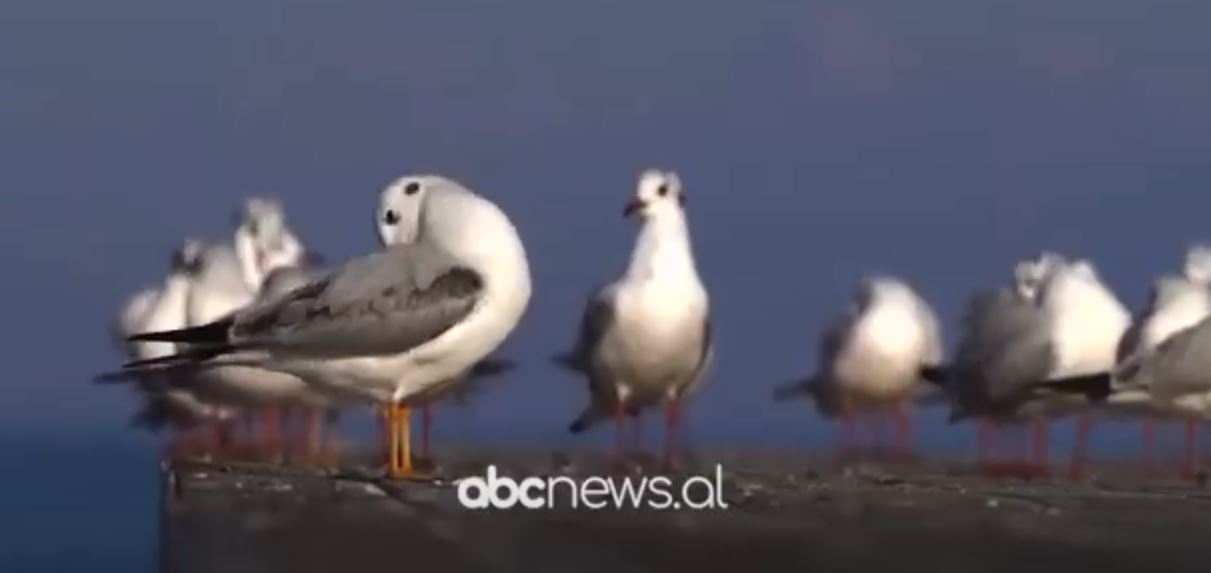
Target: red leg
[
  {"x": 1189, "y": 449},
  {"x": 848, "y": 430},
  {"x": 983, "y": 441},
  {"x": 1149, "y": 432},
  {"x": 619, "y": 421},
  {"x": 1040, "y": 441},
  {"x": 1080, "y": 450},
  {"x": 637, "y": 438},
  {"x": 426, "y": 424},
  {"x": 672, "y": 420},
  {"x": 903, "y": 425},
  {"x": 270, "y": 426}
]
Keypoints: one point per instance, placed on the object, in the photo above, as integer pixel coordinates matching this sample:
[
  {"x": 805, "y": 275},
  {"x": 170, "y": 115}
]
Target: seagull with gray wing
[
  {"x": 1177, "y": 303},
  {"x": 1002, "y": 370},
  {"x": 645, "y": 339},
  {"x": 397, "y": 222},
  {"x": 392, "y": 327}
]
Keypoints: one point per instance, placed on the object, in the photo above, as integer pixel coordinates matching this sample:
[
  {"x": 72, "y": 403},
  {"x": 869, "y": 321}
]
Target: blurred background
[{"x": 819, "y": 141}]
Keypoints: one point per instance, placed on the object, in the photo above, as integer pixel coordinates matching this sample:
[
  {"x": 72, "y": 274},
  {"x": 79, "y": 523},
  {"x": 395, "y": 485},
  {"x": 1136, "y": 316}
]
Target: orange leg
[{"x": 401, "y": 447}]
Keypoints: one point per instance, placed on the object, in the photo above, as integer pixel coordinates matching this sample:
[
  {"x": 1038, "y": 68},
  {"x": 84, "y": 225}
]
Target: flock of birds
[{"x": 252, "y": 327}]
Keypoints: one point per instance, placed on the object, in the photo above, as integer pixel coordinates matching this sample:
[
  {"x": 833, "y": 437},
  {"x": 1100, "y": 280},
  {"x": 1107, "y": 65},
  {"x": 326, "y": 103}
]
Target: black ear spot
[
  {"x": 391, "y": 217},
  {"x": 412, "y": 188},
  {"x": 681, "y": 200}
]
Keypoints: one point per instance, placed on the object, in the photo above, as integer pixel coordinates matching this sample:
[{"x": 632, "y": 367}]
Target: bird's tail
[
  {"x": 569, "y": 360},
  {"x": 1097, "y": 386},
  {"x": 793, "y": 390},
  {"x": 935, "y": 374},
  {"x": 585, "y": 420},
  {"x": 214, "y": 333},
  {"x": 492, "y": 367},
  {"x": 136, "y": 369}
]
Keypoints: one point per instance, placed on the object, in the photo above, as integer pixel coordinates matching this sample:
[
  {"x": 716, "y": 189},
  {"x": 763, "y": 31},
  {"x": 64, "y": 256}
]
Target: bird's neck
[
  {"x": 662, "y": 249},
  {"x": 246, "y": 254},
  {"x": 176, "y": 285}
]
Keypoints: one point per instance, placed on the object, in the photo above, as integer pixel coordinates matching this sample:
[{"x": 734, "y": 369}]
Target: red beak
[{"x": 633, "y": 206}]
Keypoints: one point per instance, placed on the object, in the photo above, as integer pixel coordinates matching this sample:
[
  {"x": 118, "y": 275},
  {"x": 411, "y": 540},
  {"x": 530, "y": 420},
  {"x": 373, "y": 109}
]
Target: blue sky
[{"x": 818, "y": 142}]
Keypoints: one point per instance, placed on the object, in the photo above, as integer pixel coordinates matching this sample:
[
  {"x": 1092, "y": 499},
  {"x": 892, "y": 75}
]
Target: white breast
[
  {"x": 883, "y": 354},
  {"x": 1087, "y": 324}
]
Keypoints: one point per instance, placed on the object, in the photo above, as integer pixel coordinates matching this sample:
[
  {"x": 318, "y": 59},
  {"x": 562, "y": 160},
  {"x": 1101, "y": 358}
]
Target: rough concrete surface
[{"x": 786, "y": 512}]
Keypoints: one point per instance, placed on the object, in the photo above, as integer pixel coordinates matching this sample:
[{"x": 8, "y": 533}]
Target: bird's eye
[
  {"x": 412, "y": 188},
  {"x": 391, "y": 217},
  {"x": 662, "y": 190}
]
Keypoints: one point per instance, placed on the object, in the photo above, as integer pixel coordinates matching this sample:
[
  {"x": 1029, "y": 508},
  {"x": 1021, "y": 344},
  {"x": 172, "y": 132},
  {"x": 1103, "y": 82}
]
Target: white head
[
  {"x": 1030, "y": 274},
  {"x": 1197, "y": 264},
  {"x": 265, "y": 242},
  {"x": 882, "y": 288},
  {"x": 398, "y": 216},
  {"x": 187, "y": 258},
  {"x": 658, "y": 195}
]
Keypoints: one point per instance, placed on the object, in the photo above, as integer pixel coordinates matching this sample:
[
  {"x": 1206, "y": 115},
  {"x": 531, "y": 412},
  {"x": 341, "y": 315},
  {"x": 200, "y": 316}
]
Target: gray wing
[
  {"x": 1006, "y": 349},
  {"x": 385, "y": 303},
  {"x": 1182, "y": 363},
  {"x": 597, "y": 319},
  {"x": 706, "y": 355},
  {"x": 933, "y": 333}
]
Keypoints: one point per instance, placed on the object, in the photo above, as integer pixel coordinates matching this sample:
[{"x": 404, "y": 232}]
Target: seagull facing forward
[{"x": 645, "y": 339}]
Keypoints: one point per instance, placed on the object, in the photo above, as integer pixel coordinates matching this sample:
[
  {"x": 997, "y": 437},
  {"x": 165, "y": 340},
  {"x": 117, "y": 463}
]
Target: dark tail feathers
[
  {"x": 1097, "y": 386},
  {"x": 569, "y": 360},
  {"x": 492, "y": 367},
  {"x": 792, "y": 390},
  {"x": 133, "y": 370},
  {"x": 213, "y": 333},
  {"x": 935, "y": 374}
]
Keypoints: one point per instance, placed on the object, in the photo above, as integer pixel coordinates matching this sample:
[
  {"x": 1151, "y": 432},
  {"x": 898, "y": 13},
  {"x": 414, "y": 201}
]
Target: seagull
[
  {"x": 229, "y": 277},
  {"x": 645, "y": 339},
  {"x": 159, "y": 308},
  {"x": 1087, "y": 327},
  {"x": 230, "y": 274},
  {"x": 389, "y": 327},
  {"x": 1176, "y": 303},
  {"x": 871, "y": 358},
  {"x": 163, "y": 308},
  {"x": 397, "y": 221},
  {"x": 1002, "y": 369}
]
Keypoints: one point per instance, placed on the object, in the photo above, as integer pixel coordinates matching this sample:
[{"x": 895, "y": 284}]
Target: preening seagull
[
  {"x": 391, "y": 326},
  {"x": 1007, "y": 354},
  {"x": 871, "y": 358},
  {"x": 397, "y": 221},
  {"x": 645, "y": 339},
  {"x": 230, "y": 274}
]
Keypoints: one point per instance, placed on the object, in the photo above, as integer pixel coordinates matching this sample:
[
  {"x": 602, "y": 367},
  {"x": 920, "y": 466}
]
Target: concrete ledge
[{"x": 787, "y": 513}]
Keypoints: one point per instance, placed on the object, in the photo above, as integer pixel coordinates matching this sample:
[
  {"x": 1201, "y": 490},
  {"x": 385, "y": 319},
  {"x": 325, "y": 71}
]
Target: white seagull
[
  {"x": 871, "y": 358},
  {"x": 645, "y": 339},
  {"x": 388, "y": 327},
  {"x": 1087, "y": 326},
  {"x": 163, "y": 308}
]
